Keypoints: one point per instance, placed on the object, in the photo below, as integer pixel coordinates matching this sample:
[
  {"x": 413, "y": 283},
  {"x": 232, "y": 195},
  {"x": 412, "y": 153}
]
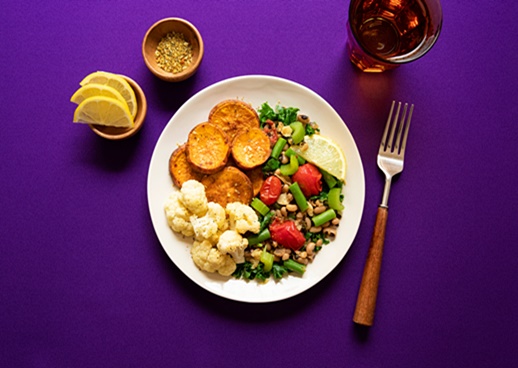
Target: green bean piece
[
  {"x": 267, "y": 260},
  {"x": 329, "y": 179},
  {"x": 260, "y": 206},
  {"x": 324, "y": 217},
  {"x": 298, "y": 132},
  {"x": 333, "y": 199},
  {"x": 265, "y": 222},
  {"x": 271, "y": 165},
  {"x": 291, "y": 168},
  {"x": 290, "y": 264},
  {"x": 290, "y": 152},
  {"x": 299, "y": 197},
  {"x": 277, "y": 149},
  {"x": 259, "y": 238}
]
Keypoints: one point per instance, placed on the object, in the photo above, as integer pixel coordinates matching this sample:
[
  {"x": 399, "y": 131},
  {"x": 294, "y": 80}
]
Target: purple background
[{"x": 84, "y": 281}]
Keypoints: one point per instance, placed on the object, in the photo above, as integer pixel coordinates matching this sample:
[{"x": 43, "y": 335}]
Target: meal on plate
[{"x": 260, "y": 192}]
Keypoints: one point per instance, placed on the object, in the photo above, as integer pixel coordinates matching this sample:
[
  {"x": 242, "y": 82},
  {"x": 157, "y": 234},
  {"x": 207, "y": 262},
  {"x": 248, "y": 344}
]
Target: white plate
[{"x": 255, "y": 89}]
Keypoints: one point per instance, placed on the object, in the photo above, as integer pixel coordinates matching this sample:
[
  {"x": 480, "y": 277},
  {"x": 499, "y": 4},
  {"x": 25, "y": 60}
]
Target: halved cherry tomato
[
  {"x": 270, "y": 190},
  {"x": 309, "y": 179},
  {"x": 286, "y": 234}
]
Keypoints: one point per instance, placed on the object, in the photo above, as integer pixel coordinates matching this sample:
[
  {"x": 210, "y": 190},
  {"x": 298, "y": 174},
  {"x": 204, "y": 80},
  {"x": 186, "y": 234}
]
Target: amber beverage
[{"x": 383, "y": 34}]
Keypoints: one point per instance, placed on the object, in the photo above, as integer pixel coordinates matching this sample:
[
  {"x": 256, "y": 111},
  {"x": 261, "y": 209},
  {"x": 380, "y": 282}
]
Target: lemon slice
[
  {"x": 117, "y": 82},
  {"x": 103, "y": 110},
  {"x": 94, "y": 89},
  {"x": 325, "y": 154}
]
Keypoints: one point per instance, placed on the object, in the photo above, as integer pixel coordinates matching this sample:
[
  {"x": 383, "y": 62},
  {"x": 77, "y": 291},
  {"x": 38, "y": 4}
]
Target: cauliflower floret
[
  {"x": 178, "y": 217},
  {"x": 217, "y": 213},
  {"x": 228, "y": 266},
  {"x": 242, "y": 218},
  {"x": 194, "y": 198},
  {"x": 232, "y": 243},
  {"x": 210, "y": 226},
  {"x": 204, "y": 228},
  {"x": 211, "y": 259}
]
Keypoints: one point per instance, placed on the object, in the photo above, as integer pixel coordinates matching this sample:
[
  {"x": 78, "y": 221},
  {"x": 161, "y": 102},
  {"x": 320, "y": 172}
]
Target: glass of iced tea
[{"x": 383, "y": 34}]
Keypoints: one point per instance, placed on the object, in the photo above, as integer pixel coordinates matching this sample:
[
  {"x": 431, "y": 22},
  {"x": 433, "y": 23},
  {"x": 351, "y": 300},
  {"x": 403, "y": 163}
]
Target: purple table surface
[{"x": 84, "y": 280}]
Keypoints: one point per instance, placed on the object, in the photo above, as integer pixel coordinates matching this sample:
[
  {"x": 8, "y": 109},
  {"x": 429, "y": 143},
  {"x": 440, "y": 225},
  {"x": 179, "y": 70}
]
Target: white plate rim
[{"x": 255, "y": 89}]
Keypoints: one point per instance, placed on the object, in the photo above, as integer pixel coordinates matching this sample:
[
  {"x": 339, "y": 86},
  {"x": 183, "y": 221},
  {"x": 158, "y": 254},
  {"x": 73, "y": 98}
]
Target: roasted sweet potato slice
[
  {"x": 250, "y": 148},
  {"x": 233, "y": 116},
  {"x": 208, "y": 148},
  {"x": 256, "y": 176},
  {"x": 180, "y": 169},
  {"x": 227, "y": 186}
]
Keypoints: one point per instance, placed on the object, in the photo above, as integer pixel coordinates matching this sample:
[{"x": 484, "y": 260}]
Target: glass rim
[{"x": 419, "y": 51}]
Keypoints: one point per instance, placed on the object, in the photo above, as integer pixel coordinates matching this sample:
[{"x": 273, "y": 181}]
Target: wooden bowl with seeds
[{"x": 172, "y": 49}]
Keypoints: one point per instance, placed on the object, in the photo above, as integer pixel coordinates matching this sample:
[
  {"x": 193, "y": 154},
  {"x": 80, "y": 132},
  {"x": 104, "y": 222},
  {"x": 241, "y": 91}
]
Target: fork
[{"x": 390, "y": 160}]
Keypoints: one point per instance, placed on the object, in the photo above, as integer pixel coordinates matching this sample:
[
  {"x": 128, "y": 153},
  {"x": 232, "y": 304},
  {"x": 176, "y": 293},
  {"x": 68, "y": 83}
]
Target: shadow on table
[
  {"x": 171, "y": 96},
  {"x": 108, "y": 155},
  {"x": 361, "y": 332},
  {"x": 253, "y": 313}
]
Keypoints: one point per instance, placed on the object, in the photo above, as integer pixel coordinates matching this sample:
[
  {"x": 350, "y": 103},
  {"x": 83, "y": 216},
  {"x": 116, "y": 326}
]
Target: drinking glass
[{"x": 383, "y": 34}]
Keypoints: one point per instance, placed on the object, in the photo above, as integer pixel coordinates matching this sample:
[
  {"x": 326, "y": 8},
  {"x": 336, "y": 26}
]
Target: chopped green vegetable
[
  {"x": 290, "y": 264},
  {"x": 287, "y": 114},
  {"x": 324, "y": 217},
  {"x": 315, "y": 237},
  {"x": 277, "y": 149},
  {"x": 267, "y": 259},
  {"x": 298, "y": 132},
  {"x": 299, "y": 196},
  {"x": 290, "y": 152},
  {"x": 260, "y": 274},
  {"x": 278, "y": 271},
  {"x": 330, "y": 180},
  {"x": 242, "y": 270},
  {"x": 322, "y": 196},
  {"x": 310, "y": 130},
  {"x": 259, "y": 206},
  {"x": 266, "y": 113},
  {"x": 334, "y": 200},
  {"x": 247, "y": 271},
  {"x": 291, "y": 168},
  {"x": 271, "y": 165},
  {"x": 259, "y": 238},
  {"x": 265, "y": 222}
]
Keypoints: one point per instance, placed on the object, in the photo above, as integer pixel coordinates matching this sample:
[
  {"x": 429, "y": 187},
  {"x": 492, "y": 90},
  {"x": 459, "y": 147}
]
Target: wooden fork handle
[{"x": 366, "y": 302}]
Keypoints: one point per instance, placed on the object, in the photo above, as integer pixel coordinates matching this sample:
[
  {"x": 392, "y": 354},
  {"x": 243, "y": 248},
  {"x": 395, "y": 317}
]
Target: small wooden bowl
[
  {"x": 157, "y": 32},
  {"x": 114, "y": 133}
]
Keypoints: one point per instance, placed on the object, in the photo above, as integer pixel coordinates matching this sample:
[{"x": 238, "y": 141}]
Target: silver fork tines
[
  {"x": 386, "y": 144},
  {"x": 392, "y": 147}
]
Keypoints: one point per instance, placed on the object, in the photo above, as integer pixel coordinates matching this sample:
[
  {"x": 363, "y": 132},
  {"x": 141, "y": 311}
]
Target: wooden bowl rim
[
  {"x": 113, "y": 133},
  {"x": 198, "y": 47}
]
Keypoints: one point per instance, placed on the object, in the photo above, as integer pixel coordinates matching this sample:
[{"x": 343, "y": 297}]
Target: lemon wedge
[
  {"x": 94, "y": 89},
  {"x": 103, "y": 110},
  {"x": 117, "y": 82},
  {"x": 325, "y": 154}
]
